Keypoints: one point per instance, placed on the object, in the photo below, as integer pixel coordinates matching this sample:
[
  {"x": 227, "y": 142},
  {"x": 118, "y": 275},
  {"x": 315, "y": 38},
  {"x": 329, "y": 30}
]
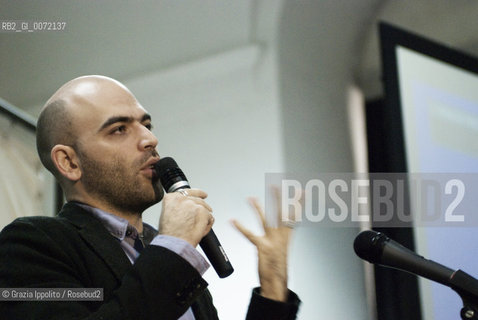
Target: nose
[{"x": 148, "y": 140}]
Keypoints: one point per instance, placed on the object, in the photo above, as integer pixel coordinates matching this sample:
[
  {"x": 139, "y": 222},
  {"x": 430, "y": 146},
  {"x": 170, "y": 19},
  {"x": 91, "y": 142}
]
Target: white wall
[{"x": 316, "y": 135}]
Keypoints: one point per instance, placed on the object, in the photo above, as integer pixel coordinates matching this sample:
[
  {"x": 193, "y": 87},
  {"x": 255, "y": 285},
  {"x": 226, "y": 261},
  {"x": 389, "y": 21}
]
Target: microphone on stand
[
  {"x": 377, "y": 248},
  {"x": 173, "y": 179}
]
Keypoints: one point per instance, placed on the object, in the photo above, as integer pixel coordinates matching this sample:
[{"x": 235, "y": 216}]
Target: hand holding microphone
[
  {"x": 176, "y": 218},
  {"x": 190, "y": 227}
]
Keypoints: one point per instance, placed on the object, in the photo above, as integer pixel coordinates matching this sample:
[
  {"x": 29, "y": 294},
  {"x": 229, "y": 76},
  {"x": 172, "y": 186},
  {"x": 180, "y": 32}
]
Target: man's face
[{"x": 117, "y": 149}]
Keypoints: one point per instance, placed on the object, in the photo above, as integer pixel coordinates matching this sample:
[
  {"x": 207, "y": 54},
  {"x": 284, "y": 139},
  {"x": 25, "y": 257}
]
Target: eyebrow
[{"x": 116, "y": 119}]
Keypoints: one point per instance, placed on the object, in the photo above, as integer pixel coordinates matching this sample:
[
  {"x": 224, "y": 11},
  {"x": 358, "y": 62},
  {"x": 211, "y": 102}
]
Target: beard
[{"x": 121, "y": 186}]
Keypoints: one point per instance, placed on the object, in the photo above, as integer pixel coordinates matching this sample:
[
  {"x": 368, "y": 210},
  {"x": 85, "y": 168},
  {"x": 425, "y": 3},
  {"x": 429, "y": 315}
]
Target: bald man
[{"x": 96, "y": 139}]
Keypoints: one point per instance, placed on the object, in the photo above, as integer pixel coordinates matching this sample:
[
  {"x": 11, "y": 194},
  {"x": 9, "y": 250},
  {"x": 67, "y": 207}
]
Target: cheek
[
  {"x": 120, "y": 154},
  {"x": 101, "y": 162},
  {"x": 118, "y": 164},
  {"x": 118, "y": 161}
]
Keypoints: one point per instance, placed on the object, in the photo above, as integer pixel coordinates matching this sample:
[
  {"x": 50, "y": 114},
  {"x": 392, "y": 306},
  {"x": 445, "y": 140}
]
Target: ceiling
[
  {"x": 125, "y": 39},
  {"x": 116, "y": 38}
]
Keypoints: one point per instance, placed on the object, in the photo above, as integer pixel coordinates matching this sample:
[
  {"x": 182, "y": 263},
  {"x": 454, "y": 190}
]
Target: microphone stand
[{"x": 467, "y": 288}]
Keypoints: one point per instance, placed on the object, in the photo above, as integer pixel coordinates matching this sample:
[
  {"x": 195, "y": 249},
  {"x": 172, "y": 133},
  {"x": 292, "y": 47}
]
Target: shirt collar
[
  {"x": 119, "y": 227},
  {"x": 115, "y": 225}
]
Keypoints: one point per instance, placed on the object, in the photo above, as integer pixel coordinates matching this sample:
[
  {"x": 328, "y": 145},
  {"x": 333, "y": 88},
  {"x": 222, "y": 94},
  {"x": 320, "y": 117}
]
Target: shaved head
[{"x": 56, "y": 123}]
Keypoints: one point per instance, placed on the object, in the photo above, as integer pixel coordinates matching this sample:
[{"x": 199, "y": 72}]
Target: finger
[
  {"x": 260, "y": 212},
  {"x": 200, "y": 202},
  {"x": 248, "y": 234},
  {"x": 208, "y": 218},
  {"x": 210, "y": 222},
  {"x": 284, "y": 219},
  {"x": 203, "y": 222},
  {"x": 197, "y": 193},
  {"x": 277, "y": 197}
]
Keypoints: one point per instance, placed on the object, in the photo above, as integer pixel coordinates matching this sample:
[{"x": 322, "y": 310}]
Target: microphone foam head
[
  {"x": 368, "y": 245},
  {"x": 169, "y": 173},
  {"x": 165, "y": 164}
]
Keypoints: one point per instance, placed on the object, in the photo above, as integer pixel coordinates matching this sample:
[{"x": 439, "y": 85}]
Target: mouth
[{"x": 149, "y": 168}]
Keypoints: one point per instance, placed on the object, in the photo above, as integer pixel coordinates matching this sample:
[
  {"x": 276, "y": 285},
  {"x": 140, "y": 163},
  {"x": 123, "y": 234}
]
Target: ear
[{"x": 66, "y": 162}]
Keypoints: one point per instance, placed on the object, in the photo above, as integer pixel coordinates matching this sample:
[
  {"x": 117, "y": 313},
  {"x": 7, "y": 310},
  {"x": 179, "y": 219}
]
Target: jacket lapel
[
  {"x": 98, "y": 238},
  {"x": 108, "y": 248}
]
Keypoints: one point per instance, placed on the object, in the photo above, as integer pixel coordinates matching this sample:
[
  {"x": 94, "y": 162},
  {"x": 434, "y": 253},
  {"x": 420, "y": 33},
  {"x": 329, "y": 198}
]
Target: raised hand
[{"x": 272, "y": 248}]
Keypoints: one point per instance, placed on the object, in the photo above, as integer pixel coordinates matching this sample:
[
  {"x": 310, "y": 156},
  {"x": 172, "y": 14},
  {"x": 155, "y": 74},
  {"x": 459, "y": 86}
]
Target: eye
[
  {"x": 119, "y": 130},
  {"x": 149, "y": 126}
]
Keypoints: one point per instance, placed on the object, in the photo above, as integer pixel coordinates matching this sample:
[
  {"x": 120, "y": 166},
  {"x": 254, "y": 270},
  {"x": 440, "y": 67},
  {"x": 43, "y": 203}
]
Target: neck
[{"x": 134, "y": 218}]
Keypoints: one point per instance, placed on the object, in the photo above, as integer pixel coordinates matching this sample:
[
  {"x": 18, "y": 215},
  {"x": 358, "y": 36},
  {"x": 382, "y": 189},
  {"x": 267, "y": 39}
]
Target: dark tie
[{"x": 138, "y": 244}]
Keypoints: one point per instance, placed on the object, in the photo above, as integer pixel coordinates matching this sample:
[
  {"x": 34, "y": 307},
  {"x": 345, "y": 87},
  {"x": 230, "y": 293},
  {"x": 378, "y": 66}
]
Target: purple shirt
[{"x": 127, "y": 234}]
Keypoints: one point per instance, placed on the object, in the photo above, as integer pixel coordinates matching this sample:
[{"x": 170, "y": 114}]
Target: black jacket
[{"x": 74, "y": 250}]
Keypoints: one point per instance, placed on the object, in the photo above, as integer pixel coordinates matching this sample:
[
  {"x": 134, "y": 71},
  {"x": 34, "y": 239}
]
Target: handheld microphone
[
  {"x": 173, "y": 179},
  {"x": 377, "y": 248}
]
